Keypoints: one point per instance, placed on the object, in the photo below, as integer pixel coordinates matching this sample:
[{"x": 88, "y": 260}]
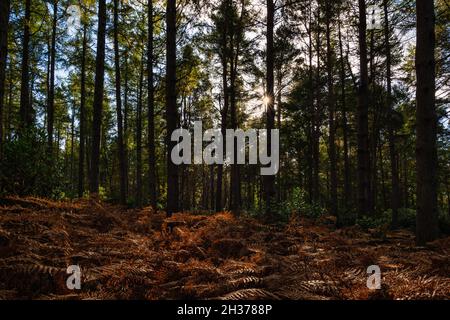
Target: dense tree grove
[{"x": 91, "y": 91}]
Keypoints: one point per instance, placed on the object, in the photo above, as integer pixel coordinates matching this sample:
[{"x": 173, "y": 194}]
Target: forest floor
[{"x": 128, "y": 254}]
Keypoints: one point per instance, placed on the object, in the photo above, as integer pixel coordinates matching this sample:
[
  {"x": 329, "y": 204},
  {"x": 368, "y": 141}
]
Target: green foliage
[
  {"x": 298, "y": 204},
  {"x": 27, "y": 170},
  {"x": 367, "y": 222},
  {"x": 406, "y": 219}
]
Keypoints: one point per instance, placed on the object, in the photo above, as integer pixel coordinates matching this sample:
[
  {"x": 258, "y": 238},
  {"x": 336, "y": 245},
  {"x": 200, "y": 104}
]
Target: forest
[{"x": 352, "y": 101}]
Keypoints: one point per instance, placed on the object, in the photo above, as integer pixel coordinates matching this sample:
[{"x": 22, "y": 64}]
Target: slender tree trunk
[
  {"x": 447, "y": 188},
  {"x": 270, "y": 180},
  {"x": 4, "y": 20},
  {"x": 426, "y": 144},
  {"x": 395, "y": 193},
  {"x": 171, "y": 105},
  {"x": 151, "y": 112},
  {"x": 125, "y": 123},
  {"x": 211, "y": 186},
  {"x": 72, "y": 150},
  {"x": 363, "y": 122},
  {"x": 51, "y": 94},
  {"x": 347, "y": 181},
  {"x": 310, "y": 158},
  {"x": 25, "y": 112},
  {"x": 279, "y": 106},
  {"x": 316, "y": 118},
  {"x": 82, "y": 116},
  {"x": 331, "y": 121},
  {"x": 98, "y": 99},
  {"x": 224, "y": 111},
  {"x": 120, "y": 140},
  {"x": 139, "y": 137}
]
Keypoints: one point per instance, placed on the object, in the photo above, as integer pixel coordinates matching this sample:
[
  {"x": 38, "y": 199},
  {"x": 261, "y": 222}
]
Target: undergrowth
[{"x": 132, "y": 255}]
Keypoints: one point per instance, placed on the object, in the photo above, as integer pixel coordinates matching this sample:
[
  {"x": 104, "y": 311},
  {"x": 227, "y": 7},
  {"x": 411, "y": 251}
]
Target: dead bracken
[{"x": 219, "y": 256}]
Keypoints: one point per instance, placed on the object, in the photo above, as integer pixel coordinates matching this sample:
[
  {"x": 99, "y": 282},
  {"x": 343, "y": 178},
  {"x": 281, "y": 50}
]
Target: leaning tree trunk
[
  {"x": 98, "y": 98},
  {"x": 363, "y": 121},
  {"x": 122, "y": 163},
  {"x": 4, "y": 19},
  {"x": 171, "y": 105},
  {"x": 426, "y": 149}
]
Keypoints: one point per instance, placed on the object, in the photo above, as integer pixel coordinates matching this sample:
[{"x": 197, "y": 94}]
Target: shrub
[{"x": 26, "y": 168}]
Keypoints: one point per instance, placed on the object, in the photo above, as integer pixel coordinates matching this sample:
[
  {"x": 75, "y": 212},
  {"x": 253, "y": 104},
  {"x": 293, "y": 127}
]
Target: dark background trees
[{"x": 347, "y": 98}]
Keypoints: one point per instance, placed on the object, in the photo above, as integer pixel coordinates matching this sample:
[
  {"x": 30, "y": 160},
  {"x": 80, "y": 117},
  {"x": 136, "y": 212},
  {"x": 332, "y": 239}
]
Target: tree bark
[
  {"x": 151, "y": 112},
  {"x": 426, "y": 144},
  {"x": 347, "y": 181},
  {"x": 51, "y": 94},
  {"x": 363, "y": 123},
  {"x": 331, "y": 119},
  {"x": 139, "y": 137},
  {"x": 98, "y": 99},
  {"x": 82, "y": 116},
  {"x": 395, "y": 192},
  {"x": 316, "y": 119},
  {"x": 25, "y": 112},
  {"x": 4, "y": 20},
  {"x": 224, "y": 111},
  {"x": 120, "y": 140},
  {"x": 270, "y": 112},
  {"x": 171, "y": 106},
  {"x": 310, "y": 157},
  {"x": 235, "y": 186}
]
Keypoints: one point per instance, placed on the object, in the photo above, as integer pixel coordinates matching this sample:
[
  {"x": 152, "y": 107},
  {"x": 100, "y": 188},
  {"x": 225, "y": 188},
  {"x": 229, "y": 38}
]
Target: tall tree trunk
[
  {"x": 51, "y": 93},
  {"x": 151, "y": 112},
  {"x": 4, "y": 20},
  {"x": 98, "y": 99},
  {"x": 211, "y": 186},
  {"x": 25, "y": 112},
  {"x": 82, "y": 116},
  {"x": 270, "y": 112},
  {"x": 347, "y": 181},
  {"x": 331, "y": 110},
  {"x": 171, "y": 105},
  {"x": 426, "y": 145},
  {"x": 125, "y": 122},
  {"x": 72, "y": 150},
  {"x": 316, "y": 119},
  {"x": 278, "y": 111},
  {"x": 234, "y": 198},
  {"x": 139, "y": 137},
  {"x": 363, "y": 121},
  {"x": 120, "y": 141},
  {"x": 395, "y": 193},
  {"x": 310, "y": 157},
  {"x": 224, "y": 111}
]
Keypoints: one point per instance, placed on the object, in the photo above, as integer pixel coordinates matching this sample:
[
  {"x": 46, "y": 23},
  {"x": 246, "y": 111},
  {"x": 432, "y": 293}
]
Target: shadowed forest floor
[{"x": 126, "y": 255}]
